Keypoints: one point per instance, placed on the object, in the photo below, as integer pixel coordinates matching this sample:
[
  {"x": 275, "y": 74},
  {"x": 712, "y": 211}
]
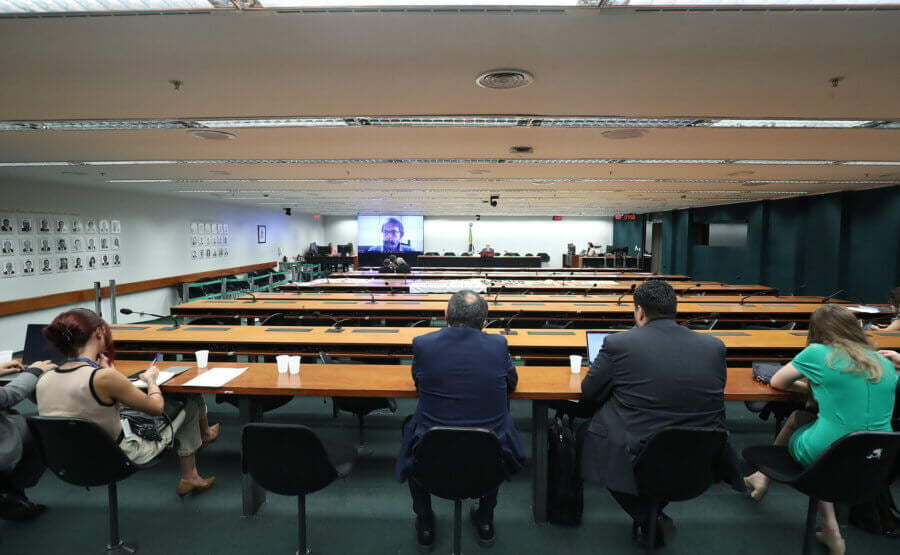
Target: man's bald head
[{"x": 467, "y": 309}]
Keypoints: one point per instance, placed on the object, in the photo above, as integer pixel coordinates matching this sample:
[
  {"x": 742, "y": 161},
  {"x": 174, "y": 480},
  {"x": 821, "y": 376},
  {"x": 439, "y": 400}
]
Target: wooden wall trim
[{"x": 19, "y": 306}]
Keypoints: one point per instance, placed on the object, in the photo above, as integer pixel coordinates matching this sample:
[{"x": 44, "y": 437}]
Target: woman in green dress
[{"x": 854, "y": 388}]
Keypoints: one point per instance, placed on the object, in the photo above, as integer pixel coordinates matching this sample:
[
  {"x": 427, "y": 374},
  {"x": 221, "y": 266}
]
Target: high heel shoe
[
  {"x": 214, "y": 435},
  {"x": 835, "y": 545},
  {"x": 758, "y": 488},
  {"x": 185, "y": 487}
]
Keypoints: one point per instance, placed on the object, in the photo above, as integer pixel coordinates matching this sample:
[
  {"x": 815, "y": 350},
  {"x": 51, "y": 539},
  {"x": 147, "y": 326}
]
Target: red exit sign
[
  {"x": 627, "y": 217},
  {"x": 557, "y": 218}
]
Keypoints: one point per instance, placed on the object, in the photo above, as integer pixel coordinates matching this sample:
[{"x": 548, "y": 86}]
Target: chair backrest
[
  {"x": 288, "y": 459},
  {"x": 853, "y": 469},
  {"x": 679, "y": 463},
  {"x": 544, "y": 256},
  {"x": 449, "y": 253},
  {"x": 79, "y": 451},
  {"x": 458, "y": 463}
]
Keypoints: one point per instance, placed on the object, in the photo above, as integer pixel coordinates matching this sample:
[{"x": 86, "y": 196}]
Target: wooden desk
[
  {"x": 479, "y": 262},
  {"x": 538, "y": 385},
  {"x": 541, "y": 347},
  {"x": 524, "y": 314},
  {"x": 526, "y": 275}
]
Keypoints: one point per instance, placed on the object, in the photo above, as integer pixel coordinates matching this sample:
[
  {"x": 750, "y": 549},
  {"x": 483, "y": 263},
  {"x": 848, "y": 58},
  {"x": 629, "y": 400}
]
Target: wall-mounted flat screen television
[{"x": 391, "y": 234}]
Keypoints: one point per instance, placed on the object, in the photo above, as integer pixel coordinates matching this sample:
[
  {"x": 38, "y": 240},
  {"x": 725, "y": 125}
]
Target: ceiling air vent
[{"x": 504, "y": 79}]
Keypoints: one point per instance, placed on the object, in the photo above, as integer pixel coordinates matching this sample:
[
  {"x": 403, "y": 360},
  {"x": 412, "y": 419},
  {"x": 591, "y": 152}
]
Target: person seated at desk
[
  {"x": 591, "y": 250},
  {"x": 487, "y": 251},
  {"x": 402, "y": 267},
  {"x": 854, "y": 388},
  {"x": 653, "y": 376},
  {"x": 894, "y": 300},
  {"x": 87, "y": 385},
  {"x": 387, "y": 267},
  {"x": 21, "y": 464},
  {"x": 463, "y": 377}
]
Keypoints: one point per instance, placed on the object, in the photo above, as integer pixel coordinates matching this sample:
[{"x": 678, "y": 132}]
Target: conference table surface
[
  {"x": 549, "y": 285},
  {"x": 529, "y": 297},
  {"x": 536, "y": 345},
  {"x": 537, "y": 384},
  {"x": 568, "y": 275}
]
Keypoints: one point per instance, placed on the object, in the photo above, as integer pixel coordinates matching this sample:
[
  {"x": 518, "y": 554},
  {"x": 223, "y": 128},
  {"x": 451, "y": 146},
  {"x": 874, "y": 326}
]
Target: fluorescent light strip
[
  {"x": 271, "y": 123},
  {"x": 473, "y": 161},
  {"x": 789, "y": 123}
]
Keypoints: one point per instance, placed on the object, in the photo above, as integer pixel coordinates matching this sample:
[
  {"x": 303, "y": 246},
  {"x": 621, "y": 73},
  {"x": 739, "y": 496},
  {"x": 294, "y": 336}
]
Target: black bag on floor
[
  {"x": 565, "y": 488},
  {"x": 879, "y": 516}
]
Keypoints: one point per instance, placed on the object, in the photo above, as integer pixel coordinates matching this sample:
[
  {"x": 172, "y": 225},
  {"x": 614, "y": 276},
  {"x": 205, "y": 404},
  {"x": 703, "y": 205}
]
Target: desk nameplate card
[{"x": 375, "y": 330}]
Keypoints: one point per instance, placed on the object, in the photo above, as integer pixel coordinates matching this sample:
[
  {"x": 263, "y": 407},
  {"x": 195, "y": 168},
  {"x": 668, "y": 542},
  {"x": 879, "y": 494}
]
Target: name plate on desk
[
  {"x": 128, "y": 327},
  {"x": 799, "y": 333},
  {"x": 375, "y": 330},
  {"x": 167, "y": 328},
  {"x": 289, "y": 330},
  {"x": 551, "y": 333},
  {"x": 728, "y": 333},
  {"x": 207, "y": 329}
]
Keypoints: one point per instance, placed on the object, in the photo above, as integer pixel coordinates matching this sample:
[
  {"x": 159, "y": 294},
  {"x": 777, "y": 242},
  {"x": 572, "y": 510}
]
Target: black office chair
[
  {"x": 544, "y": 256},
  {"x": 289, "y": 459},
  {"x": 703, "y": 324},
  {"x": 511, "y": 254},
  {"x": 358, "y": 406},
  {"x": 82, "y": 453},
  {"x": 528, "y": 254},
  {"x": 449, "y": 254},
  {"x": 853, "y": 469},
  {"x": 432, "y": 253},
  {"x": 677, "y": 464},
  {"x": 456, "y": 464}
]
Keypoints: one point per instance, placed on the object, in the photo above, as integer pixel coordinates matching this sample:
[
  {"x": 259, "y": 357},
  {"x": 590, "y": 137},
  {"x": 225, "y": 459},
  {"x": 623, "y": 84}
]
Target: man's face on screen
[{"x": 391, "y": 235}]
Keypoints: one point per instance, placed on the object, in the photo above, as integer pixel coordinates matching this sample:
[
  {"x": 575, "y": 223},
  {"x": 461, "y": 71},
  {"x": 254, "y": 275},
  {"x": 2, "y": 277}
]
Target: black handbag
[
  {"x": 149, "y": 427},
  {"x": 763, "y": 371}
]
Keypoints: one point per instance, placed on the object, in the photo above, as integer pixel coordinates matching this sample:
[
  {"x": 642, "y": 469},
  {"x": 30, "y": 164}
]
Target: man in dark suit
[
  {"x": 463, "y": 377},
  {"x": 402, "y": 267},
  {"x": 656, "y": 375}
]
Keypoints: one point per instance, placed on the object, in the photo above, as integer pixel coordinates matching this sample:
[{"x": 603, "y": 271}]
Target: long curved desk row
[
  {"x": 520, "y": 314},
  {"x": 539, "y": 385},
  {"x": 568, "y": 275},
  {"x": 535, "y": 346}
]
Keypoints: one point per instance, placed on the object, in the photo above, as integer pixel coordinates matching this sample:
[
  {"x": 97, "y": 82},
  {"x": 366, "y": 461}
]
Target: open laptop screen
[
  {"x": 595, "y": 341},
  {"x": 37, "y": 348}
]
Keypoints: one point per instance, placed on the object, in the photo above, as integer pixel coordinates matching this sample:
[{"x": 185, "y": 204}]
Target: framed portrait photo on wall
[{"x": 260, "y": 234}]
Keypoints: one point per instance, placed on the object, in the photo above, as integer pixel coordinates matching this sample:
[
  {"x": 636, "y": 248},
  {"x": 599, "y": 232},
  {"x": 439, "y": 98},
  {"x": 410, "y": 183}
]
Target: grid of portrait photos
[
  {"x": 37, "y": 244},
  {"x": 209, "y": 240}
]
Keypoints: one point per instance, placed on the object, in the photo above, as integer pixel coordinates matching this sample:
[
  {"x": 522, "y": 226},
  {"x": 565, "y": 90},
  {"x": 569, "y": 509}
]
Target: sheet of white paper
[
  {"x": 163, "y": 377},
  {"x": 215, "y": 377},
  {"x": 865, "y": 309}
]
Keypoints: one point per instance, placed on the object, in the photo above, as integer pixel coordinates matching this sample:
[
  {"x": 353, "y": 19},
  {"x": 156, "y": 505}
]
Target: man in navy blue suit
[{"x": 463, "y": 377}]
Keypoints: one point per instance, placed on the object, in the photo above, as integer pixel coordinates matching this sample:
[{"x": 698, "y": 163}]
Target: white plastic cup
[
  {"x": 5, "y": 356},
  {"x": 282, "y": 361},
  {"x": 294, "y": 365},
  {"x": 575, "y": 363},
  {"x": 202, "y": 358}
]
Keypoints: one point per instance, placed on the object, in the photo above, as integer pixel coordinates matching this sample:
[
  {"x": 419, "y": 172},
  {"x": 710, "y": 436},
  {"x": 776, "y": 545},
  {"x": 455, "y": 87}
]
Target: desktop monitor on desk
[{"x": 313, "y": 249}]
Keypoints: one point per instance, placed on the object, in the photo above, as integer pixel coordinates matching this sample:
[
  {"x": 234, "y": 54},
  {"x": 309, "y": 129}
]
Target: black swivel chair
[
  {"x": 449, "y": 254},
  {"x": 358, "y": 406},
  {"x": 678, "y": 463},
  {"x": 289, "y": 459},
  {"x": 703, "y": 324},
  {"x": 82, "y": 453},
  {"x": 853, "y": 469},
  {"x": 456, "y": 464},
  {"x": 544, "y": 256}
]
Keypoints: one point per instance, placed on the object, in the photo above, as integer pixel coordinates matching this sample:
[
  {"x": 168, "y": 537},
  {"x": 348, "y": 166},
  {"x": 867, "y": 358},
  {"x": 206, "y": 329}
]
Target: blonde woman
[{"x": 854, "y": 387}]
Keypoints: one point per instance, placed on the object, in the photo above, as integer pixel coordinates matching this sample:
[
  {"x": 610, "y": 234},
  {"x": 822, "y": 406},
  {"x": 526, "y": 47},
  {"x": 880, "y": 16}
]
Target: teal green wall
[
  {"x": 847, "y": 240},
  {"x": 629, "y": 234}
]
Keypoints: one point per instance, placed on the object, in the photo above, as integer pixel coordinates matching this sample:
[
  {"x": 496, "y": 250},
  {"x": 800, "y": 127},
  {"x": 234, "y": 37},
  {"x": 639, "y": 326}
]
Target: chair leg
[
  {"x": 116, "y": 545},
  {"x": 651, "y": 526},
  {"x": 301, "y": 525},
  {"x": 457, "y": 527},
  {"x": 362, "y": 450},
  {"x": 809, "y": 534}
]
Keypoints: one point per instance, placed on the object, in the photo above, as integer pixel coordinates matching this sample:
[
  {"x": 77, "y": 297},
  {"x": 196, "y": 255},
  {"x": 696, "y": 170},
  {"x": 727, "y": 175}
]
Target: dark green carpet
[{"x": 368, "y": 513}]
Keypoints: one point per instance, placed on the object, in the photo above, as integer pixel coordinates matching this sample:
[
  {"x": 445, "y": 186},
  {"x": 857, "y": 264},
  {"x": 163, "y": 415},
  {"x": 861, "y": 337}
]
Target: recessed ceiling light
[
  {"x": 211, "y": 135},
  {"x": 504, "y": 79},
  {"x": 617, "y": 134}
]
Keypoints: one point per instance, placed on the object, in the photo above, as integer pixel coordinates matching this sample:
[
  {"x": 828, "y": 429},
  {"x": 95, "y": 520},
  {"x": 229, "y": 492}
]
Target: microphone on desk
[
  {"x": 390, "y": 287},
  {"x": 271, "y": 317},
  {"x": 507, "y": 330},
  {"x": 833, "y": 295},
  {"x": 372, "y": 299},
  {"x": 683, "y": 293},
  {"x": 336, "y": 327},
  {"x": 630, "y": 290},
  {"x": 745, "y": 297},
  {"x": 796, "y": 290},
  {"x": 497, "y": 296},
  {"x": 704, "y": 319},
  {"x": 252, "y": 295},
  {"x": 127, "y": 311},
  {"x": 489, "y": 323},
  {"x": 587, "y": 291}
]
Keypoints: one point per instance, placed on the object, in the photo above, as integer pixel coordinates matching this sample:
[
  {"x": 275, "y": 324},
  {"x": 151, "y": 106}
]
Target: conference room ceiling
[{"x": 354, "y": 65}]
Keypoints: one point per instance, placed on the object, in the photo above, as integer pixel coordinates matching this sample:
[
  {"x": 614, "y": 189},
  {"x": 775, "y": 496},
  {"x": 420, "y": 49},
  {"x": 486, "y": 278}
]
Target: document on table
[
  {"x": 865, "y": 309},
  {"x": 215, "y": 377},
  {"x": 164, "y": 376}
]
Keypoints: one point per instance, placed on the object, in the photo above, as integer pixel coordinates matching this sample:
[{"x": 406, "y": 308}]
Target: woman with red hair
[{"x": 87, "y": 385}]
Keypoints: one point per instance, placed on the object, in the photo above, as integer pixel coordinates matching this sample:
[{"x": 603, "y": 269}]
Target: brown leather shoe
[
  {"x": 185, "y": 487},
  {"x": 214, "y": 429}
]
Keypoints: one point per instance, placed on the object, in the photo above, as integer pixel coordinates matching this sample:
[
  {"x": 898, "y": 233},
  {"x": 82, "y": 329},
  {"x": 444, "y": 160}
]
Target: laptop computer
[
  {"x": 38, "y": 348},
  {"x": 595, "y": 341}
]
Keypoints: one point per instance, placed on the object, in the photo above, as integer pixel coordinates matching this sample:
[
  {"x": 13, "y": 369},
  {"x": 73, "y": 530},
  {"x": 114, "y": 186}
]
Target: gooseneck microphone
[
  {"x": 497, "y": 296},
  {"x": 704, "y": 319},
  {"x": 587, "y": 291},
  {"x": 271, "y": 317},
  {"x": 745, "y": 297},
  {"x": 252, "y": 295},
  {"x": 630, "y": 290},
  {"x": 507, "y": 330},
  {"x": 372, "y": 299},
  {"x": 336, "y": 327},
  {"x": 127, "y": 311},
  {"x": 797, "y": 290},
  {"x": 696, "y": 285},
  {"x": 833, "y": 295}
]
